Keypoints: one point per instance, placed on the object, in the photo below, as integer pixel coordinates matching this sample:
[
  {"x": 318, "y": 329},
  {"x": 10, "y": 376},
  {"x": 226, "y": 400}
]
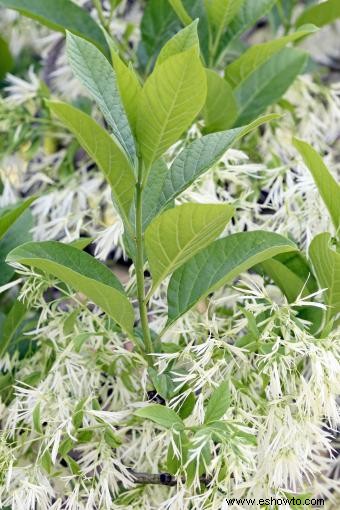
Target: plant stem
[
  {"x": 140, "y": 269},
  {"x": 214, "y": 48},
  {"x": 99, "y": 8},
  {"x": 162, "y": 478}
]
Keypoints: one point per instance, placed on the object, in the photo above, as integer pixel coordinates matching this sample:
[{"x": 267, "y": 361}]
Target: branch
[{"x": 161, "y": 478}]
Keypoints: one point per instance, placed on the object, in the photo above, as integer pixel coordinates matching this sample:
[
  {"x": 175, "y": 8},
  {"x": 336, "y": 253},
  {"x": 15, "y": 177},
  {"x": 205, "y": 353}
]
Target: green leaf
[
  {"x": 11, "y": 324},
  {"x": 6, "y": 62},
  {"x": 112, "y": 439},
  {"x": 82, "y": 272},
  {"x": 98, "y": 76},
  {"x": 194, "y": 160},
  {"x": 73, "y": 465},
  {"x": 79, "y": 340},
  {"x": 221, "y": 12},
  {"x": 101, "y": 147},
  {"x": 36, "y": 416},
  {"x": 162, "y": 383},
  {"x": 268, "y": 83},
  {"x": 175, "y": 462},
  {"x": 220, "y": 109},
  {"x": 179, "y": 9},
  {"x": 187, "y": 405},
  {"x": 219, "y": 264},
  {"x": 161, "y": 415},
  {"x": 246, "y": 17},
  {"x": 10, "y": 215},
  {"x": 184, "y": 40},
  {"x": 201, "y": 462},
  {"x": 257, "y": 55},
  {"x": 82, "y": 242},
  {"x": 19, "y": 233},
  {"x": 328, "y": 187},
  {"x": 65, "y": 447},
  {"x": 320, "y": 14},
  {"x": 252, "y": 324},
  {"x": 46, "y": 461},
  {"x": 84, "y": 435},
  {"x": 222, "y": 432},
  {"x": 196, "y": 10},
  {"x": 62, "y": 15},
  {"x": 152, "y": 191},
  {"x": 6, "y": 389},
  {"x": 218, "y": 403},
  {"x": 171, "y": 98},
  {"x": 129, "y": 87},
  {"x": 292, "y": 274},
  {"x": 178, "y": 234},
  {"x": 326, "y": 263},
  {"x": 158, "y": 25},
  {"x": 199, "y": 157},
  {"x": 78, "y": 414}
]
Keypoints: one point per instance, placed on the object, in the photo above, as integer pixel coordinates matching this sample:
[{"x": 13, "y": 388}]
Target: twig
[{"x": 161, "y": 478}]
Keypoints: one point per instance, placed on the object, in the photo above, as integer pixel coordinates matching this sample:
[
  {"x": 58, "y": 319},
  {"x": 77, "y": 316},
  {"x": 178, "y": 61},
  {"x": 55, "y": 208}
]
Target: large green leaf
[
  {"x": 178, "y": 234},
  {"x": 246, "y": 17},
  {"x": 10, "y": 215},
  {"x": 320, "y": 14},
  {"x": 220, "y": 109},
  {"x": 129, "y": 87},
  {"x": 257, "y": 55},
  {"x": 268, "y": 83},
  {"x": 218, "y": 264},
  {"x": 326, "y": 263},
  {"x": 221, "y": 12},
  {"x": 182, "y": 41},
  {"x": 199, "y": 157},
  {"x": 171, "y": 98},
  {"x": 82, "y": 272},
  {"x": 96, "y": 73},
  {"x": 161, "y": 415},
  {"x": 60, "y": 15},
  {"x": 103, "y": 150},
  {"x": 328, "y": 187}
]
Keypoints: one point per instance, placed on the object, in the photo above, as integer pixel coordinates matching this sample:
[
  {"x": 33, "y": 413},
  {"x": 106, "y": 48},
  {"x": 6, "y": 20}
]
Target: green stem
[
  {"x": 282, "y": 15},
  {"x": 215, "y": 46},
  {"x": 102, "y": 19},
  {"x": 139, "y": 264},
  {"x": 99, "y": 9}
]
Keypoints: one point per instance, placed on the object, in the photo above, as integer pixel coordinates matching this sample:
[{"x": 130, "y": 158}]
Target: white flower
[{"x": 20, "y": 91}]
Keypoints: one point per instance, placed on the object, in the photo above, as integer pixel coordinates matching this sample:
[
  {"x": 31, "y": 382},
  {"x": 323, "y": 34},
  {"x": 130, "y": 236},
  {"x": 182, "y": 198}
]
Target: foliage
[{"x": 205, "y": 363}]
